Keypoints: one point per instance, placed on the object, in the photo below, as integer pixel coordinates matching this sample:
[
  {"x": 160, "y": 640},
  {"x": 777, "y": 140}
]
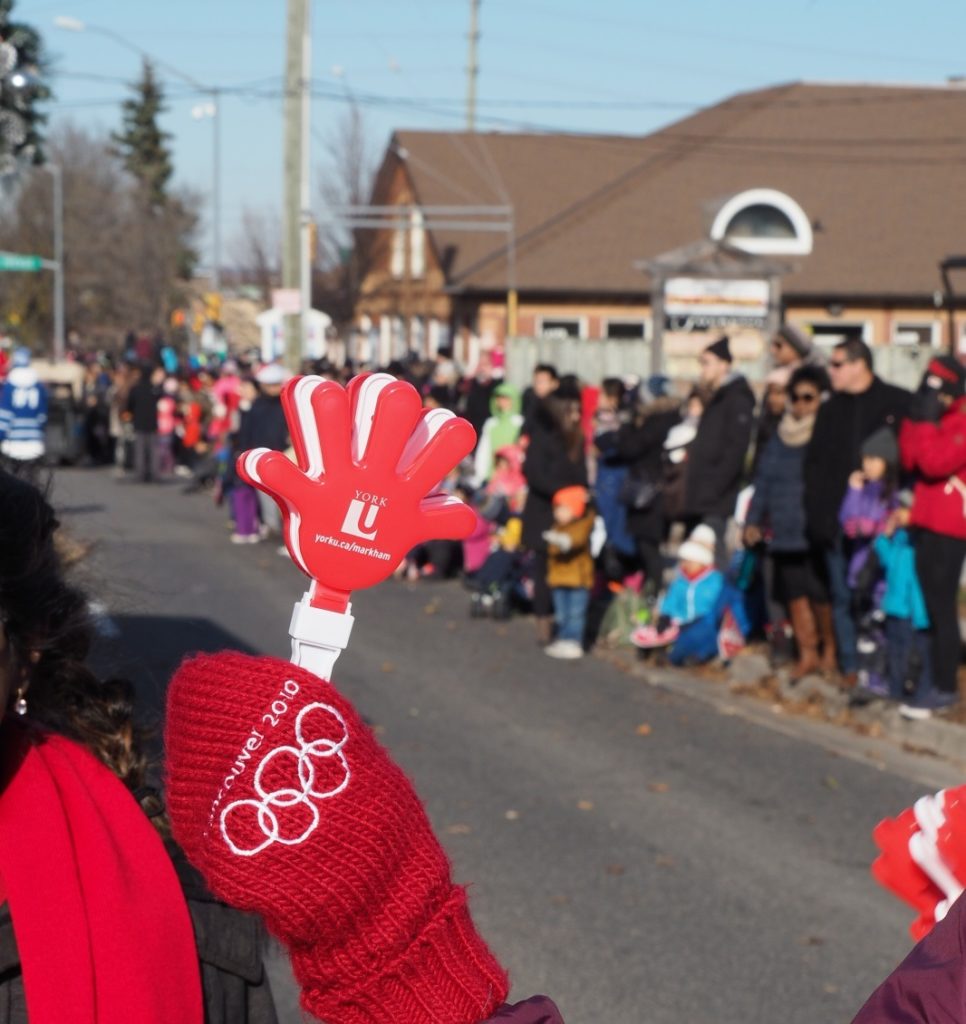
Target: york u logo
[{"x": 360, "y": 517}]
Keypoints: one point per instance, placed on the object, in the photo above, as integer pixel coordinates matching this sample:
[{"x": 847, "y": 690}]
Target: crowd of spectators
[{"x": 827, "y": 513}]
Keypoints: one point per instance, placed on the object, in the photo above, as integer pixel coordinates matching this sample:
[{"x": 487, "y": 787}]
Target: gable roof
[{"x": 877, "y": 169}]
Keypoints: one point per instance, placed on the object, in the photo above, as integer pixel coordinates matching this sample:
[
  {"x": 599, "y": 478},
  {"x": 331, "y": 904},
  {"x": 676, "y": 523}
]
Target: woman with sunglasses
[{"x": 777, "y": 517}]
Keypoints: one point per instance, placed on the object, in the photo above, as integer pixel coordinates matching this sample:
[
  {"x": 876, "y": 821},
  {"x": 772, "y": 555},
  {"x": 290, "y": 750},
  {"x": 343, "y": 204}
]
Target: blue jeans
[
  {"x": 570, "y": 610},
  {"x": 841, "y": 596}
]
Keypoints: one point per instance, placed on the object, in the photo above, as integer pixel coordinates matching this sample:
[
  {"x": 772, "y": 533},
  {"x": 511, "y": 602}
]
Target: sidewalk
[{"x": 750, "y": 678}]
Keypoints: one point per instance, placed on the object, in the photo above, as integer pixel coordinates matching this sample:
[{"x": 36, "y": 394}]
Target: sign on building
[{"x": 703, "y": 303}]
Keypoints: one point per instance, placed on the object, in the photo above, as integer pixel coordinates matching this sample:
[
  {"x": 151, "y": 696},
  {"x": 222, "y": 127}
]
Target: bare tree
[
  {"x": 122, "y": 260},
  {"x": 257, "y": 249},
  {"x": 346, "y": 180}
]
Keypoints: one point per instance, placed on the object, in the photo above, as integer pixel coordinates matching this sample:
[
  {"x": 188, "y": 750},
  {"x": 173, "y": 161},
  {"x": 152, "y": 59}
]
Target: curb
[{"x": 750, "y": 678}]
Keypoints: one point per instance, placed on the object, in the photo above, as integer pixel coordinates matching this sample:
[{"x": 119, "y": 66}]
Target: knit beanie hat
[
  {"x": 699, "y": 547},
  {"x": 882, "y": 445},
  {"x": 283, "y": 799},
  {"x": 795, "y": 338},
  {"x": 946, "y": 375},
  {"x": 720, "y": 348},
  {"x": 574, "y": 498}
]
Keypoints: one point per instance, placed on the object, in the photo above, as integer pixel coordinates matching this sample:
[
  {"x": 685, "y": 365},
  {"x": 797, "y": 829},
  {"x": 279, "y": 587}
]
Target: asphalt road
[{"x": 709, "y": 868}]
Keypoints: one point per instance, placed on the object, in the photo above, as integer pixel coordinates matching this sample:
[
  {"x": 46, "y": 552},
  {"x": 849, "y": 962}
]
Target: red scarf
[{"x": 100, "y": 920}]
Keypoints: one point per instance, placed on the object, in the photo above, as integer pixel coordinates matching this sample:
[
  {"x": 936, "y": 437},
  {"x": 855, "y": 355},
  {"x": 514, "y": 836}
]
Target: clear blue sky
[{"x": 615, "y": 66}]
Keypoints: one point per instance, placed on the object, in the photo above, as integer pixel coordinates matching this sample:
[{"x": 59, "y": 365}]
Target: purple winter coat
[
  {"x": 536, "y": 1010},
  {"x": 862, "y": 515},
  {"x": 929, "y": 986}
]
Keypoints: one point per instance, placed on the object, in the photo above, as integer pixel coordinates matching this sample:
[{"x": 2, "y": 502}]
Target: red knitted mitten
[{"x": 287, "y": 805}]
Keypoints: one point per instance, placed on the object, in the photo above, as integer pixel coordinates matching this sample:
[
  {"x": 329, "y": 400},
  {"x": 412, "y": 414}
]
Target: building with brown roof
[{"x": 852, "y": 189}]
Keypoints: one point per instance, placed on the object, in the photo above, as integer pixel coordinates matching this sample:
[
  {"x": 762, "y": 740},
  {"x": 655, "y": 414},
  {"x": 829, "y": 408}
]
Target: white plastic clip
[{"x": 319, "y": 636}]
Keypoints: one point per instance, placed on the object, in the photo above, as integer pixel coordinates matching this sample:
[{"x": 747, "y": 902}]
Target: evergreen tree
[
  {"x": 142, "y": 145},
  {"x": 22, "y": 90}
]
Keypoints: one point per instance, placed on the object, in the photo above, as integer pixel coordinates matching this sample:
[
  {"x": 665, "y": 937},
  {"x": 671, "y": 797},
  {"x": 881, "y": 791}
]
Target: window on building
[
  {"x": 397, "y": 256},
  {"x": 924, "y": 334},
  {"x": 825, "y": 335},
  {"x": 626, "y": 330},
  {"x": 559, "y": 327},
  {"x": 417, "y": 244},
  {"x": 764, "y": 221},
  {"x": 759, "y": 221}
]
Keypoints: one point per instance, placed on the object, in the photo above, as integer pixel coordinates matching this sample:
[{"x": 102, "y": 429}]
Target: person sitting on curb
[{"x": 688, "y": 614}]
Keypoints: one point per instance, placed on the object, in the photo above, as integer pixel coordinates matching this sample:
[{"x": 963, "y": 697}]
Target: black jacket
[
  {"x": 842, "y": 424},
  {"x": 264, "y": 426},
  {"x": 641, "y": 446},
  {"x": 547, "y": 468},
  {"x": 235, "y": 987},
  {"x": 142, "y": 404},
  {"x": 716, "y": 458}
]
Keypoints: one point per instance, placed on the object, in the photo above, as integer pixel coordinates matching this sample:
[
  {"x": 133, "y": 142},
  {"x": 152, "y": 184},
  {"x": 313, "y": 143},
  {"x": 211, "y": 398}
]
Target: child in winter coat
[
  {"x": 570, "y": 569},
  {"x": 167, "y": 422},
  {"x": 870, "y": 498},
  {"x": 500, "y": 430},
  {"x": 907, "y": 621},
  {"x": 692, "y": 602}
]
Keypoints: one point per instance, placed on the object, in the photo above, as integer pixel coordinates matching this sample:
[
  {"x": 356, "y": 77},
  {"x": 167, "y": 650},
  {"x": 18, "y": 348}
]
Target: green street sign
[{"x": 15, "y": 261}]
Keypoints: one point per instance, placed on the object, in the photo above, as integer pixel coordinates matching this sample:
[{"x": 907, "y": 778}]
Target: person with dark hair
[
  {"x": 776, "y": 518},
  {"x": 101, "y": 917},
  {"x": 554, "y": 460},
  {"x": 544, "y": 381},
  {"x": 860, "y": 404},
  {"x": 716, "y": 460},
  {"x": 931, "y": 447},
  {"x": 640, "y": 444},
  {"x": 610, "y": 472},
  {"x": 142, "y": 406}
]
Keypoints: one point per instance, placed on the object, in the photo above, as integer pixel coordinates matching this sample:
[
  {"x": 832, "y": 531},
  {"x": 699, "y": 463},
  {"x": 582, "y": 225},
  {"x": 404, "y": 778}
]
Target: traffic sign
[{"x": 17, "y": 261}]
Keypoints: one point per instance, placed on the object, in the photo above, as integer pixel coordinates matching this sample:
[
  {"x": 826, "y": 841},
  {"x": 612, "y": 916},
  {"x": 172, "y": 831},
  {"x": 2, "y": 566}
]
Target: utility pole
[
  {"x": 59, "y": 340},
  {"x": 216, "y": 192},
  {"x": 472, "y": 67},
  {"x": 305, "y": 197},
  {"x": 295, "y": 96}
]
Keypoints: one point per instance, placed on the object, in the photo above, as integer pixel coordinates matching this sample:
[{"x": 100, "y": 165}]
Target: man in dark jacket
[
  {"x": 265, "y": 427},
  {"x": 142, "y": 407},
  {"x": 716, "y": 459},
  {"x": 860, "y": 404}
]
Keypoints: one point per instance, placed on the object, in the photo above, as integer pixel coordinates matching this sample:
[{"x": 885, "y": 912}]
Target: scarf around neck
[
  {"x": 796, "y": 433},
  {"x": 100, "y": 920}
]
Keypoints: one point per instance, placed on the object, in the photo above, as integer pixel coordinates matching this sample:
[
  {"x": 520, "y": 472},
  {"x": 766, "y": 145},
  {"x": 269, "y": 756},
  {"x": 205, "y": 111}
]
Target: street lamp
[
  {"x": 199, "y": 112},
  {"x": 58, "y": 182}
]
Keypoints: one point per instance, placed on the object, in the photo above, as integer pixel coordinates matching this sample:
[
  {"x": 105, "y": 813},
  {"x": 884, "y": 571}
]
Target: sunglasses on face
[{"x": 804, "y": 396}]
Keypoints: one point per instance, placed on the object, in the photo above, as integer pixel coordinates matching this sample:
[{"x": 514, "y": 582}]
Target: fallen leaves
[
  {"x": 643, "y": 729},
  {"x": 459, "y": 829},
  {"x": 658, "y": 787},
  {"x": 585, "y": 805}
]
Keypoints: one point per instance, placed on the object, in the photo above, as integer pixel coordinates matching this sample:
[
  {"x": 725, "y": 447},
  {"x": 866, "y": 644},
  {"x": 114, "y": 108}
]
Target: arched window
[{"x": 764, "y": 221}]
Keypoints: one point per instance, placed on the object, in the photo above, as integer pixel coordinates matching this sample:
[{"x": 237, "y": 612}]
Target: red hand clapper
[{"x": 365, "y": 490}]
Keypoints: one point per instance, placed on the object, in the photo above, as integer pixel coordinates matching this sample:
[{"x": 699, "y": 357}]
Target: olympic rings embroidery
[{"x": 301, "y": 794}]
